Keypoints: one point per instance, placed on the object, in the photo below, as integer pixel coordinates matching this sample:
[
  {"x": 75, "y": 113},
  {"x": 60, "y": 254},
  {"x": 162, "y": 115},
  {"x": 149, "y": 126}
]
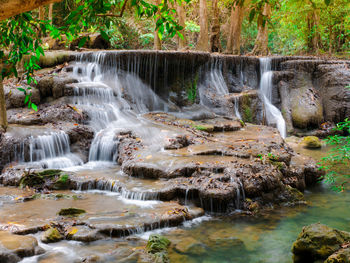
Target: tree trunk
[
  {"x": 234, "y": 37},
  {"x": 3, "y": 114},
  {"x": 215, "y": 45},
  {"x": 313, "y": 34},
  {"x": 41, "y": 13},
  {"x": 157, "y": 44},
  {"x": 182, "y": 43},
  {"x": 203, "y": 39},
  {"x": 50, "y": 12},
  {"x": 9, "y": 8},
  {"x": 261, "y": 41}
]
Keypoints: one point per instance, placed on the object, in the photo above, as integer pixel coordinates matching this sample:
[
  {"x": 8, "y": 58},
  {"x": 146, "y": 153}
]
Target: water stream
[{"x": 272, "y": 114}]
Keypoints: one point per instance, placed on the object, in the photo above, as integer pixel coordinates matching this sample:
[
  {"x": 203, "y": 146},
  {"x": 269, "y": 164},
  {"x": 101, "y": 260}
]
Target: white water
[
  {"x": 272, "y": 114},
  {"x": 103, "y": 93},
  {"x": 52, "y": 151}
]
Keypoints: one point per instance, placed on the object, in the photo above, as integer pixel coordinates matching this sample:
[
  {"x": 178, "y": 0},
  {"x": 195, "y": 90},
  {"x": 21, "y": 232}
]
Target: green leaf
[
  {"x": 34, "y": 107},
  {"x": 327, "y": 2},
  {"x": 26, "y": 99},
  {"x": 82, "y": 42},
  {"x": 104, "y": 35}
]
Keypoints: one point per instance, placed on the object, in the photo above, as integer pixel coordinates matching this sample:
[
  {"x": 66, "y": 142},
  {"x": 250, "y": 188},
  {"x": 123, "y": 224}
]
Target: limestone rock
[
  {"x": 306, "y": 105},
  {"x": 51, "y": 235},
  {"x": 317, "y": 242},
  {"x": 311, "y": 142},
  {"x": 341, "y": 256},
  {"x": 14, "y": 247},
  {"x": 190, "y": 246}
]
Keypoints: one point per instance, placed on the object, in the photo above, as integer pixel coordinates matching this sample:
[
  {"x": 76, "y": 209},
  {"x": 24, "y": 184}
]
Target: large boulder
[
  {"x": 318, "y": 242},
  {"x": 306, "y": 105},
  {"x": 14, "y": 247}
]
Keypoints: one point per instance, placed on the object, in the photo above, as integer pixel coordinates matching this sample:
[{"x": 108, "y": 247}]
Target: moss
[
  {"x": 50, "y": 173},
  {"x": 279, "y": 165},
  {"x": 158, "y": 246},
  {"x": 207, "y": 128},
  {"x": 51, "y": 235},
  {"x": 311, "y": 142},
  {"x": 246, "y": 107},
  {"x": 71, "y": 211},
  {"x": 62, "y": 183}
]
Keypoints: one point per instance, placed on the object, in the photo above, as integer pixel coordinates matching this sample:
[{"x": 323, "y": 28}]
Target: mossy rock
[
  {"x": 295, "y": 194},
  {"x": 71, "y": 211},
  {"x": 62, "y": 183},
  {"x": 341, "y": 256},
  {"x": 318, "y": 242},
  {"x": 51, "y": 235},
  {"x": 204, "y": 127},
  {"x": 311, "y": 142},
  {"x": 157, "y": 245}
]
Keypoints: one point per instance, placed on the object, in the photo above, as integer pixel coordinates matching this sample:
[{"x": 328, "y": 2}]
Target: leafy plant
[{"x": 339, "y": 156}]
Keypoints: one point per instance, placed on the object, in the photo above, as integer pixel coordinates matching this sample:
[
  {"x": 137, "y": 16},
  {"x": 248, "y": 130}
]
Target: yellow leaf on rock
[{"x": 73, "y": 231}]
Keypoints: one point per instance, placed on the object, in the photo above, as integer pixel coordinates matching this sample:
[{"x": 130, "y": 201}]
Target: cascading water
[
  {"x": 52, "y": 151},
  {"x": 113, "y": 99},
  {"x": 272, "y": 113},
  {"x": 215, "y": 86}
]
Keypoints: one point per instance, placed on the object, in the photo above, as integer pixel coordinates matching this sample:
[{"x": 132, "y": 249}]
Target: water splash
[
  {"x": 52, "y": 151},
  {"x": 272, "y": 113}
]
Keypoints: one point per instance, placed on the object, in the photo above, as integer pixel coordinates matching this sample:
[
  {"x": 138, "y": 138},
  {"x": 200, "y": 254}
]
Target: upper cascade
[{"x": 272, "y": 114}]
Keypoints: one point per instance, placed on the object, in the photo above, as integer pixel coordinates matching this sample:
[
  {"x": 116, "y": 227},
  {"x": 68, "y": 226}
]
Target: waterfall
[
  {"x": 113, "y": 97},
  {"x": 236, "y": 102},
  {"x": 52, "y": 151},
  {"x": 272, "y": 113}
]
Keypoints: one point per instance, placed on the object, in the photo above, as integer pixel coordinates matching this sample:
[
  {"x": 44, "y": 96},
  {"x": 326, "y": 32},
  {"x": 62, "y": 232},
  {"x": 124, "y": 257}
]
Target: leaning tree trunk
[
  {"x": 203, "y": 38},
  {"x": 9, "y": 8},
  {"x": 234, "y": 37},
  {"x": 215, "y": 45},
  {"x": 261, "y": 41},
  {"x": 50, "y": 12},
  {"x": 182, "y": 43},
  {"x": 3, "y": 115},
  {"x": 157, "y": 44}
]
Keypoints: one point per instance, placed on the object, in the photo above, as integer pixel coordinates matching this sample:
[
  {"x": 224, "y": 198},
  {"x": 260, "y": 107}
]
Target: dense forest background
[{"x": 292, "y": 27}]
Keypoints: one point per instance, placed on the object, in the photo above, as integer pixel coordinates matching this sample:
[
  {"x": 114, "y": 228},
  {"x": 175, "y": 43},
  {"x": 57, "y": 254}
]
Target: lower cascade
[{"x": 130, "y": 146}]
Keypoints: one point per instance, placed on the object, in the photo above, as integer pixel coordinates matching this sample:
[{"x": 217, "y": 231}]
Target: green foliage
[
  {"x": 192, "y": 90},
  {"x": 192, "y": 27},
  {"x": 339, "y": 156}
]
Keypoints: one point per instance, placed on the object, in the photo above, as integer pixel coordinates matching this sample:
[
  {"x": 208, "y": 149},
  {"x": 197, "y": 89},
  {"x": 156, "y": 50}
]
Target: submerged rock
[
  {"x": 14, "y": 247},
  {"x": 157, "y": 246},
  {"x": 311, "y": 142},
  {"x": 71, "y": 211},
  {"x": 318, "y": 242}
]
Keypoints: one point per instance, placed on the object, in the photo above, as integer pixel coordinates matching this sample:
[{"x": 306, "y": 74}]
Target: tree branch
[
  {"x": 114, "y": 15},
  {"x": 9, "y": 8}
]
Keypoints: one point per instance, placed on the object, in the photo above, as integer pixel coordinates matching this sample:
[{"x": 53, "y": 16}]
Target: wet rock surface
[
  {"x": 14, "y": 247},
  {"x": 319, "y": 242}
]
